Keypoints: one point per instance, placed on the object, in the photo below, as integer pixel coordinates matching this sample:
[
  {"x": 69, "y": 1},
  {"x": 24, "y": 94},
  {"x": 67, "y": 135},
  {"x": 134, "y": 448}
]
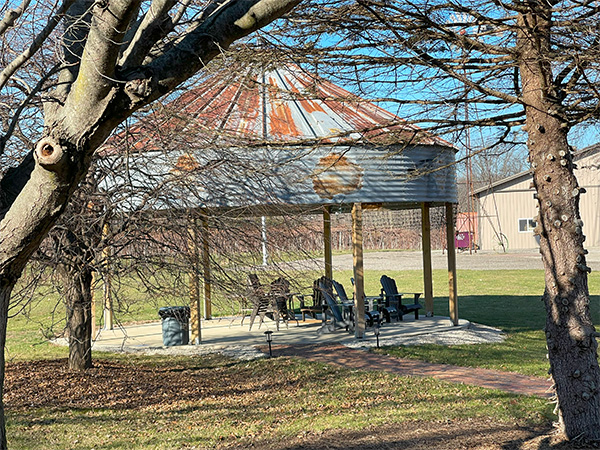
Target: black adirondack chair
[
  {"x": 393, "y": 299},
  {"x": 332, "y": 311},
  {"x": 316, "y": 306},
  {"x": 372, "y": 317},
  {"x": 280, "y": 290}
]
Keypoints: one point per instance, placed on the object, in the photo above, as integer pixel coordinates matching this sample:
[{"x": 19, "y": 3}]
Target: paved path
[
  {"x": 413, "y": 260},
  {"x": 343, "y": 356}
]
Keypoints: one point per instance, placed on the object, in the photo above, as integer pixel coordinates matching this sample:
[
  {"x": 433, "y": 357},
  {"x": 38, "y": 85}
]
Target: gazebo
[{"x": 311, "y": 146}]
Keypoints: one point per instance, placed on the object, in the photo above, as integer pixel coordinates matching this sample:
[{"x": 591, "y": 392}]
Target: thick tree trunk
[
  {"x": 78, "y": 302},
  {"x": 5, "y": 292},
  {"x": 572, "y": 347},
  {"x": 103, "y": 94}
]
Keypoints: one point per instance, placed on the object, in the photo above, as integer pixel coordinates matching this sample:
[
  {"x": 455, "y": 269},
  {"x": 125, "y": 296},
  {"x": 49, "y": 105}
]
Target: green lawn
[
  {"x": 264, "y": 401},
  {"x": 507, "y": 299},
  {"x": 234, "y": 407}
]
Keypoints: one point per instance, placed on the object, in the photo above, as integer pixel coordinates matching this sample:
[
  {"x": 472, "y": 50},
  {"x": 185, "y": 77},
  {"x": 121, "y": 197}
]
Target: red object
[{"x": 463, "y": 239}]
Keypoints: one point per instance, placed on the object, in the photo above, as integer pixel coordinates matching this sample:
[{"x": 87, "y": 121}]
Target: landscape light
[{"x": 269, "y": 335}]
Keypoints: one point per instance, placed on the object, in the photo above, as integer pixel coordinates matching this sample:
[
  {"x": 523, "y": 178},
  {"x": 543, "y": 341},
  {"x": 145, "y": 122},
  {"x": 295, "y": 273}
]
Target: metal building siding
[
  {"x": 279, "y": 177},
  {"x": 504, "y": 204},
  {"x": 500, "y": 213},
  {"x": 588, "y": 176}
]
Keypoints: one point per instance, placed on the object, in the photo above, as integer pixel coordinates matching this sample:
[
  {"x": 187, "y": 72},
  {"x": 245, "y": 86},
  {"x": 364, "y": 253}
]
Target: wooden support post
[
  {"x": 452, "y": 297},
  {"x": 206, "y": 270},
  {"x": 359, "y": 280},
  {"x": 195, "y": 312},
  {"x": 107, "y": 304},
  {"x": 327, "y": 241},
  {"x": 427, "y": 271}
]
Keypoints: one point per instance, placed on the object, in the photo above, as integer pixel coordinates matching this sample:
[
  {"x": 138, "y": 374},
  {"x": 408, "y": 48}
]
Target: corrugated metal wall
[
  {"x": 500, "y": 212},
  {"x": 278, "y": 177}
]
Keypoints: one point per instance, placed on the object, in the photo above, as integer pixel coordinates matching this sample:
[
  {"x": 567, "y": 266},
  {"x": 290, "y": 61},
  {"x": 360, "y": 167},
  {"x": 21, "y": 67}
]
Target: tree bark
[
  {"x": 77, "y": 282},
  {"x": 6, "y": 288},
  {"x": 99, "y": 99},
  {"x": 572, "y": 347}
]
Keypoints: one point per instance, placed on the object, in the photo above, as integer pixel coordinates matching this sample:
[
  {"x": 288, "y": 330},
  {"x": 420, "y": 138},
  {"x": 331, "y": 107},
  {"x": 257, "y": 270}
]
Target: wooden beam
[
  {"x": 452, "y": 297},
  {"x": 206, "y": 270},
  {"x": 194, "y": 280},
  {"x": 359, "y": 276},
  {"x": 263, "y": 235},
  {"x": 327, "y": 241},
  {"x": 427, "y": 270}
]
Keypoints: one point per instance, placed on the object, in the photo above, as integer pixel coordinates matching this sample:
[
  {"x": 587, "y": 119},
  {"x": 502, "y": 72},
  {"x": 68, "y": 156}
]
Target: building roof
[
  {"x": 288, "y": 106},
  {"x": 273, "y": 139},
  {"x": 521, "y": 176}
]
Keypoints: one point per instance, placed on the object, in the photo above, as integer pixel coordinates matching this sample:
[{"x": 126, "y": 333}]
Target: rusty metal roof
[{"x": 281, "y": 105}]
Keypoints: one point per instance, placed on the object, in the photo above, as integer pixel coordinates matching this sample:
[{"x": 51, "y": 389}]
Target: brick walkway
[{"x": 343, "y": 356}]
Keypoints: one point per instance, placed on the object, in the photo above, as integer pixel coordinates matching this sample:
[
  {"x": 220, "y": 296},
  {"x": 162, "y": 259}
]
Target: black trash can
[{"x": 175, "y": 325}]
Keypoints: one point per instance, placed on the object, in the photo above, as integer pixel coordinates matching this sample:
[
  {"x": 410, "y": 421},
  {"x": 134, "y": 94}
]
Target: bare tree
[
  {"x": 117, "y": 56},
  {"x": 529, "y": 68}
]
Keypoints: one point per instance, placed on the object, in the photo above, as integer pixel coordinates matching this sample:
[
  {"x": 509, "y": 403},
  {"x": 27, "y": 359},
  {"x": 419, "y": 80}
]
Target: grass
[
  {"x": 509, "y": 300},
  {"x": 281, "y": 398}
]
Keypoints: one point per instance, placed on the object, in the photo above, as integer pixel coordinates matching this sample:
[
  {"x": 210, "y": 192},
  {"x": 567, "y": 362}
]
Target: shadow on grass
[
  {"x": 510, "y": 313},
  {"x": 428, "y": 435}
]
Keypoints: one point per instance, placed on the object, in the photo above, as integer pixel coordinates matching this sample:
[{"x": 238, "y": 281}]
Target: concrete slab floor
[{"x": 229, "y": 331}]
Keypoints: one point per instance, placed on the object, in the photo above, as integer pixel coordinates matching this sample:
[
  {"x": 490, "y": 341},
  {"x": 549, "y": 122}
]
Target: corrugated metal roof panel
[{"x": 279, "y": 106}]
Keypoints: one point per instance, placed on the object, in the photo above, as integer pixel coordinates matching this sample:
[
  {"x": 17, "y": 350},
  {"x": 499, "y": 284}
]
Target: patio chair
[
  {"x": 317, "y": 299},
  {"x": 393, "y": 299},
  {"x": 280, "y": 290},
  {"x": 244, "y": 310},
  {"x": 372, "y": 316},
  {"x": 332, "y": 311},
  {"x": 263, "y": 304}
]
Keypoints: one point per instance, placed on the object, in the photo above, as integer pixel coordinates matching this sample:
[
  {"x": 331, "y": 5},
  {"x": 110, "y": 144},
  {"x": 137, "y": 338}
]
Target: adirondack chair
[
  {"x": 393, "y": 299},
  {"x": 317, "y": 299},
  {"x": 263, "y": 304},
  {"x": 372, "y": 317},
  {"x": 332, "y": 311},
  {"x": 280, "y": 290}
]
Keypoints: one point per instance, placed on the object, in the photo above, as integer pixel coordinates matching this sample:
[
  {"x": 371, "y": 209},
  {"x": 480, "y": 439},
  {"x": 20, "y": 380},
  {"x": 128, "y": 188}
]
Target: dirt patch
[{"x": 110, "y": 384}]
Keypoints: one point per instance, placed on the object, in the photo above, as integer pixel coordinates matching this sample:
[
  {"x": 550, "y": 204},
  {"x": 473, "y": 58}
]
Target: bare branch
[
  {"x": 155, "y": 25},
  {"x": 12, "y": 15},
  {"x": 37, "y": 43},
  {"x": 232, "y": 20},
  {"x": 96, "y": 77}
]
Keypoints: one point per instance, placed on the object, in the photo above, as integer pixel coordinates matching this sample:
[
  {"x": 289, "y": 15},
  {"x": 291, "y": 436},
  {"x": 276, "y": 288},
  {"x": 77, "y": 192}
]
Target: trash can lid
[{"x": 179, "y": 312}]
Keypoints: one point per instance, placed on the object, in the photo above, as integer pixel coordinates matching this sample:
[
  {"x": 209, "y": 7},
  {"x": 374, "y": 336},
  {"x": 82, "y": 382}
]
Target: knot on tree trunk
[
  {"x": 140, "y": 88},
  {"x": 49, "y": 154}
]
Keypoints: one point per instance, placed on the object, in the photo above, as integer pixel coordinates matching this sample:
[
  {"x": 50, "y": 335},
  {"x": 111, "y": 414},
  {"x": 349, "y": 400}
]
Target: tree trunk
[
  {"x": 78, "y": 302},
  {"x": 81, "y": 117},
  {"x": 572, "y": 347},
  {"x": 6, "y": 288}
]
